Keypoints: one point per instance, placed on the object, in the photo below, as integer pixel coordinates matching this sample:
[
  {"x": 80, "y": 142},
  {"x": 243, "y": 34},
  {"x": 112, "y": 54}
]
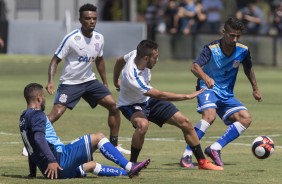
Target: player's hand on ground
[
  {"x": 52, "y": 170},
  {"x": 50, "y": 88},
  {"x": 196, "y": 93},
  {"x": 257, "y": 95}
]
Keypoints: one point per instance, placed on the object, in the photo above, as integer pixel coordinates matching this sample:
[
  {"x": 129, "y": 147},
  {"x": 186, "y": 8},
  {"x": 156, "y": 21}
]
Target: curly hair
[{"x": 87, "y": 7}]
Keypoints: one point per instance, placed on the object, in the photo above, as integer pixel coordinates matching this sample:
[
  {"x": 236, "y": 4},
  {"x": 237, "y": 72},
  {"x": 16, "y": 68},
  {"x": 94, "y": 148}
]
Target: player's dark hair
[
  {"x": 234, "y": 23},
  {"x": 30, "y": 89},
  {"x": 87, "y": 7},
  {"x": 146, "y": 47}
]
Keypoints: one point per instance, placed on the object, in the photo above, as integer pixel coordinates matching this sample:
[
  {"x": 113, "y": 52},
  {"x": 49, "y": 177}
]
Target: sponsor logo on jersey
[
  {"x": 236, "y": 64},
  {"x": 77, "y": 38},
  {"x": 63, "y": 98},
  {"x": 86, "y": 59}
]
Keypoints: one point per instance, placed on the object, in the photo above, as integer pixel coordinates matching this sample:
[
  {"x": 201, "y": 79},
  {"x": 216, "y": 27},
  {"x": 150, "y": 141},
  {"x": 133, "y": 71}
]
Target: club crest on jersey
[
  {"x": 77, "y": 38},
  {"x": 236, "y": 64},
  {"x": 63, "y": 98},
  {"x": 97, "y": 37},
  {"x": 138, "y": 108}
]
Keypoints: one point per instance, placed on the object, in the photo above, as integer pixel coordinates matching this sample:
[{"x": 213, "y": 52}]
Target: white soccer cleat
[
  {"x": 24, "y": 152},
  {"x": 122, "y": 150}
]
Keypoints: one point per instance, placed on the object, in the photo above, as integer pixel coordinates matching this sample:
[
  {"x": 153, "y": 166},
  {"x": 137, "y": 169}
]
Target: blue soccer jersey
[
  {"x": 44, "y": 146},
  {"x": 32, "y": 127},
  {"x": 52, "y": 137},
  {"x": 221, "y": 68}
]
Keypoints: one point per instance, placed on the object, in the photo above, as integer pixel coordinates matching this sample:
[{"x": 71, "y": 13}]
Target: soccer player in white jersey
[
  {"x": 216, "y": 69},
  {"x": 80, "y": 49},
  {"x": 140, "y": 102}
]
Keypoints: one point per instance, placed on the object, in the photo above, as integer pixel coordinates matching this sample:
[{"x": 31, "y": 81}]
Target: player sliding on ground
[{"x": 56, "y": 160}]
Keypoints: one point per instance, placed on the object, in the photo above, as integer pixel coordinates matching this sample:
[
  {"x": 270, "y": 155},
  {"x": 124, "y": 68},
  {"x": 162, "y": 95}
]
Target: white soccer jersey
[
  {"x": 79, "y": 52},
  {"x": 133, "y": 82}
]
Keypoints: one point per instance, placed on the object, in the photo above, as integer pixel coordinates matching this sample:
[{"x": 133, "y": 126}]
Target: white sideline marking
[
  {"x": 170, "y": 139},
  {"x": 5, "y": 133}
]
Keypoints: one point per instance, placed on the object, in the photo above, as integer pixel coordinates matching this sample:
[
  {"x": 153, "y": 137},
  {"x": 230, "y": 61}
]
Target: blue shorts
[
  {"x": 157, "y": 111},
  {"x": 91, "y": 92},
  {"x": 73, "y": 156},
  {"x": 224, "y": 107}
]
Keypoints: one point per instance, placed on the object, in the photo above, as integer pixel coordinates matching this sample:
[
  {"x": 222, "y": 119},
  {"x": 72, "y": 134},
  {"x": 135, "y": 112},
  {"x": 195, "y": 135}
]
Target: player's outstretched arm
[
  {"x": 120, "y": 63},
  {"x": 169, "y": 96},
  {"x": 196, "y": 93}
]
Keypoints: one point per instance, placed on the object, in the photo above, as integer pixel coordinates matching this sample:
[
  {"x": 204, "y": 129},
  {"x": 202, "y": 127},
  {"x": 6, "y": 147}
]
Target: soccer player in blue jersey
[
  {"x": 81, "y": 49},
  {"x": 216, "y": 69},
  {"x": 56, "y": 160},
  {"x": 140, "y": 102}
]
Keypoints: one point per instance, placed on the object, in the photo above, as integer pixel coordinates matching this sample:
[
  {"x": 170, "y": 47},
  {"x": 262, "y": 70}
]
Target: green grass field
[{"x": 164, "y": 146}]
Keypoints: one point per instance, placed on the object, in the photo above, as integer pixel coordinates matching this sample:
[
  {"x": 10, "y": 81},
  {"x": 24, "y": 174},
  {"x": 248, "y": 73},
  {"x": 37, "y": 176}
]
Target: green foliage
[{"x": 241, "y": 166}]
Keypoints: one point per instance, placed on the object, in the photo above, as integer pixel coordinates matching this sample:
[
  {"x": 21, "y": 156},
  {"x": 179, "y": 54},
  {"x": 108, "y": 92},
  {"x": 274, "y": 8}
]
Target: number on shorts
[{"x": 207, "y": 96}]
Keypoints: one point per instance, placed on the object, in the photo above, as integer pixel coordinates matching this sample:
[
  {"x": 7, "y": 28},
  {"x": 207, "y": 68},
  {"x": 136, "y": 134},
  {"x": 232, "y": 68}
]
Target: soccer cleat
[
  {"x": 205, "y": 164},
  {"x": 137, "y": 167},
  {"x": 214, "y": 155},
  {"x": 24, "y": 152},
  {"x": 186, "y": 162},
  {"x": 122, "y": 150}
]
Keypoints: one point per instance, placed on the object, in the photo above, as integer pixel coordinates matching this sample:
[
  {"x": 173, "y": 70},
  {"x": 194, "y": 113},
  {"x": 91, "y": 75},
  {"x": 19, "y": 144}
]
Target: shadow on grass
[
  {"x": 177, "y": 165},
  {"x": 21, "y": 176},
  {"x": 86, "y": 178}
]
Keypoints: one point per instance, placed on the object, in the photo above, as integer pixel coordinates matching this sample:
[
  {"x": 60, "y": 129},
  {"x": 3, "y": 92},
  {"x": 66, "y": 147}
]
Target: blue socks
[
  {"x": 232, "y": 132},
  {"x": 103, "y": 170},
  {"x": 111, "y": 153}
]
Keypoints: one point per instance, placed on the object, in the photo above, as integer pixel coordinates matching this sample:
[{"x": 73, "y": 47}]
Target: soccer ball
[{"x": 262, "y": 147}]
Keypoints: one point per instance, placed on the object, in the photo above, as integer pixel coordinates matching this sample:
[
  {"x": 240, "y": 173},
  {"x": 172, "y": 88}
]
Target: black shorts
[
  {"x": 91, "y": 92},
  {"x": 157, "y": 111}
]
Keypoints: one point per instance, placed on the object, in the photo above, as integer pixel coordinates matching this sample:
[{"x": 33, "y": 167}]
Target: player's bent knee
[
  {"x": 142, "y": 127},
  {"x": 247, "y": 121},
  {"x": 209, "y": 118},
  {"x": 56, "y": 112},
  {"x": 97, "y": 136}
]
